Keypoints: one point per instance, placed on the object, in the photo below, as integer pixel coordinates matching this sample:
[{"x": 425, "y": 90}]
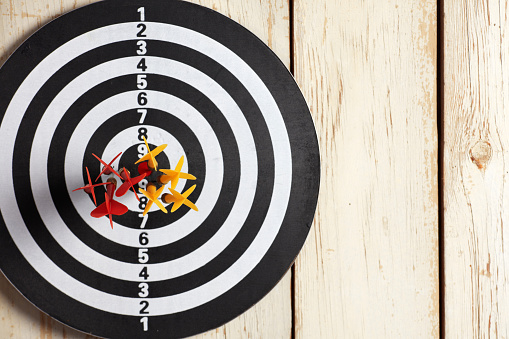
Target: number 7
[{"x": 143, "y": 113}]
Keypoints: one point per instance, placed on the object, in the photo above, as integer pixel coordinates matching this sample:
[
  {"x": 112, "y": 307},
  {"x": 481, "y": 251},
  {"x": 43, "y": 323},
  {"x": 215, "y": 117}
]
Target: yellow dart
[
  {"x": 178, "y": 199},
  {"x": 152, "y": 194},
  {"x": 173, "y": 176},
  {"x": 151, "y": 155}
]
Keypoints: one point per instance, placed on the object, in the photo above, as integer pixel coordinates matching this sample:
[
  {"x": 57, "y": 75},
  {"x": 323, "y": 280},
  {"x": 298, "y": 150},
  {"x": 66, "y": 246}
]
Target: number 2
[
  {"x": 140, "y": 34},
  {"x": 143, "y": 310}
]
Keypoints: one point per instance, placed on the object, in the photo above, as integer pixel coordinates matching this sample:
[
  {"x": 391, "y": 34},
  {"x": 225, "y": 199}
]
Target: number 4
[
  {"x": 142, "y": 65},
  {"x": 143, "y": 273}
]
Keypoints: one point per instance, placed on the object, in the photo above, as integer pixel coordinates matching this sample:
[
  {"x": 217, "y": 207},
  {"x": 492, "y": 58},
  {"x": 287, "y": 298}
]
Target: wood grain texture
[
  {"x": 369, "y": 268},
  {"x": 269, "y": 20},
  {"x": 476, "y": 140}
]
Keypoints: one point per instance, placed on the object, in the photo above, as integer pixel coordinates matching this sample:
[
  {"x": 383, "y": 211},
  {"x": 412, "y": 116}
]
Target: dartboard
[{"x": 101, "y": 80}]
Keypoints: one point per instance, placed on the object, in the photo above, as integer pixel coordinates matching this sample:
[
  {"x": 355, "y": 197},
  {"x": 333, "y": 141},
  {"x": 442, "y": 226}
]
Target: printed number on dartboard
[{"x": 142, "y": 100}]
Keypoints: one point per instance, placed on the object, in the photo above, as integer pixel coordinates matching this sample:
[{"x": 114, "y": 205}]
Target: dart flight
[
  {"x": 151, "y": 155},
  {"x": 109, "y": 207},
  {"x": 152, "y": 194},
  {"x": 107, "y": 167},
  {"x": 89, "y": 188},
  {"x": 173, "y": 176},
  {"x": 128, "y": 183},
  {"x": 178, "y": 199}
]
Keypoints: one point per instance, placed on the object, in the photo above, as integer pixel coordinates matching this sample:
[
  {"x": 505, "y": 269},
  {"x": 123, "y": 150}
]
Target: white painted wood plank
[
  {"x": 476, "y": 197},
  {"x": 269, "y": 20},
  {"x": 369, "y": 268}
]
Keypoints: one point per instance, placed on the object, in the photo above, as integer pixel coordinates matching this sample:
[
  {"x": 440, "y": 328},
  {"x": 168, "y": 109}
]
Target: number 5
[
  {"x": 142, "y": 81},
  {"x": 143, "y": 255}
]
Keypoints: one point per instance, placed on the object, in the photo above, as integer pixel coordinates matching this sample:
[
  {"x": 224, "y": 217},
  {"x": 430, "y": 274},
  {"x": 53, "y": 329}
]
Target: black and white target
[{"x": 97, "y": 80}]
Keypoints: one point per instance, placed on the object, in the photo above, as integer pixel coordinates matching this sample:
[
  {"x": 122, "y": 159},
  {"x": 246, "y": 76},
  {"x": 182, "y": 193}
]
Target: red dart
[
  {"x": 109, "y": 207},
  {"x": 89, "y": 188},
  {"x": 111, "y": 189},
  {"x": 107, "y": 166},
  {"x": 128, "y": 183},
  {"x": 144, "y": 169}
]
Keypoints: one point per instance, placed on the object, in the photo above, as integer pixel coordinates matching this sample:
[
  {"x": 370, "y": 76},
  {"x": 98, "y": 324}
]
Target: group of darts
[{"x": 147, "y": 164}]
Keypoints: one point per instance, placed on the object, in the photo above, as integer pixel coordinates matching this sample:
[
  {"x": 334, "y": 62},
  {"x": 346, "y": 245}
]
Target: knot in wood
[{"x": 480, "y": 154}]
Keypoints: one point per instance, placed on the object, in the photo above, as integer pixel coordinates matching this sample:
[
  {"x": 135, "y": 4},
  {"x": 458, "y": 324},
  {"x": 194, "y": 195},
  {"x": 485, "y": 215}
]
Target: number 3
[
  {"x": 143, "y": 290},
  {"x": 142, "y": 47}
]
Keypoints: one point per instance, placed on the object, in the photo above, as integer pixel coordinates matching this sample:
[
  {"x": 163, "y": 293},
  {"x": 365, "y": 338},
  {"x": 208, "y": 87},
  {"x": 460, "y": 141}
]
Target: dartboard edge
[{"x": 106, "y": 78}]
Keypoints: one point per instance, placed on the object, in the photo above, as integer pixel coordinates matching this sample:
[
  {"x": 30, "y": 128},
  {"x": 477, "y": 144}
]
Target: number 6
[{"x": 143, "y": 238}]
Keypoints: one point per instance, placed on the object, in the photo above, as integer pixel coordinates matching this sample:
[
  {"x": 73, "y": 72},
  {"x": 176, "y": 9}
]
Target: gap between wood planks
[
  {"x": 440, "y": 164},
  {"x": 292, "y": 70}
]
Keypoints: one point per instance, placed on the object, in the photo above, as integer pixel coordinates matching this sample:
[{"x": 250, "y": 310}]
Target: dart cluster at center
[{"x": 146, "y": 165}]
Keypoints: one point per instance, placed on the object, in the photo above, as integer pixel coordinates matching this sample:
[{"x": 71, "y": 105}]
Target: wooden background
[{"x": 408, "y": 237}]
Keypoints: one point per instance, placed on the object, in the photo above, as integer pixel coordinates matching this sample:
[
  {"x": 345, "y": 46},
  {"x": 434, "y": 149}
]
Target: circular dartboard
[{"x": 101, "y": 80}]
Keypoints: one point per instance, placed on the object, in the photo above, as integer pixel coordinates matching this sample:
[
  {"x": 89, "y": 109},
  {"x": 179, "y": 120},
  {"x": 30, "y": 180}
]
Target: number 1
[
  {"x": 141, "y": 10},
  {"x": 144, "y": 321}
]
